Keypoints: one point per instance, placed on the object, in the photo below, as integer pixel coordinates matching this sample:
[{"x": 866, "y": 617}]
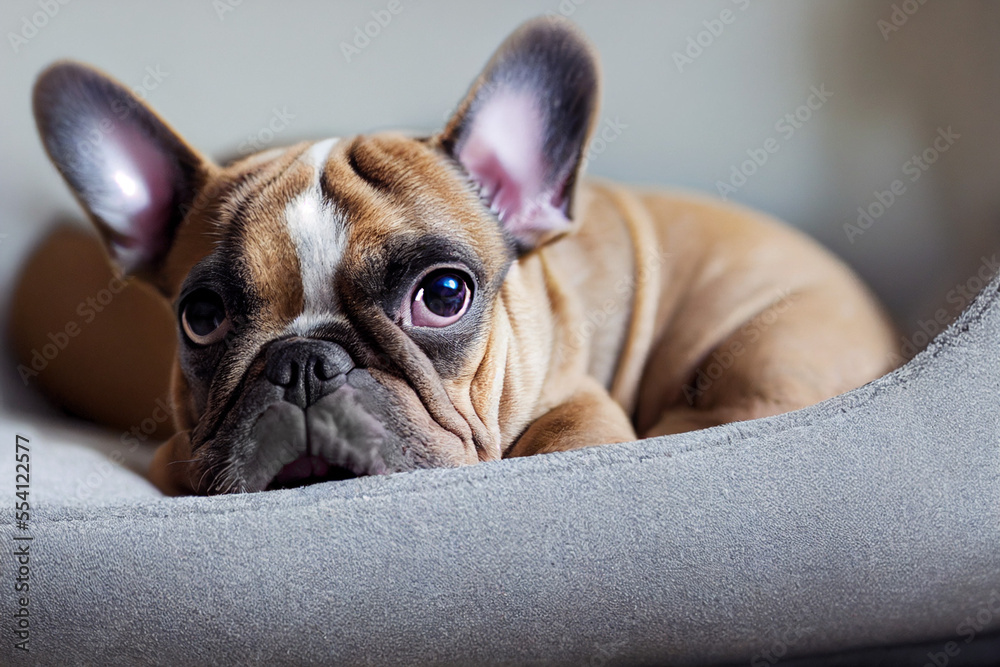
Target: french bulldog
[{"x": 381, "y": 303}]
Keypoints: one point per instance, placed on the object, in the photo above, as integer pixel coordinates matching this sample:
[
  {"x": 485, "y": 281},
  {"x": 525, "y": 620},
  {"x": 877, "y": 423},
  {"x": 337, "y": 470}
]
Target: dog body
[{"x": 380, "y": 303}]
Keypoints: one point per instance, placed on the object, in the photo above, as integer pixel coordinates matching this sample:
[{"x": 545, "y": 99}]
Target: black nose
[{"x": 308, "y": 369}]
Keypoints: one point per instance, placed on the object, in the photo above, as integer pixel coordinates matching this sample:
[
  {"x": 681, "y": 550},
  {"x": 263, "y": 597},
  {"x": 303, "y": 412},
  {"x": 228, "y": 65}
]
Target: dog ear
[
  {"x": 521, "y": 131},
  {"x": 129, "y": 170}
]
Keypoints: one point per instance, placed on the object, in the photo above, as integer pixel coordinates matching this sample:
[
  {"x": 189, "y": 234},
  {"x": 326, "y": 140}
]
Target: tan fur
[
  {"x": 656, "y": 313},
  {"x": 269, "y": 245},
  {"x": 670, "y": 279},
  {"x": 696, "y": 274}
]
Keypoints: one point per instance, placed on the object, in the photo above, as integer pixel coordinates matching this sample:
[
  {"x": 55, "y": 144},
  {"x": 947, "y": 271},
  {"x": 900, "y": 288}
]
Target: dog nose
[{"x": 308, "y": 369}]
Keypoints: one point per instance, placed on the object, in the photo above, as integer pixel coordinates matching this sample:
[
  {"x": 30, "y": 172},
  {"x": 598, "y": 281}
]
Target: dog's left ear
[
  {"x": 133, "y": 174},
  {"x": 521, "y": 131}
]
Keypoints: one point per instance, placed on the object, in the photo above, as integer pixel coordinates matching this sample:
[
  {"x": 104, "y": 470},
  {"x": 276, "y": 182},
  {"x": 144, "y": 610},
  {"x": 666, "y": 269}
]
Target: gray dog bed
[{"x": 867, "y": 527}]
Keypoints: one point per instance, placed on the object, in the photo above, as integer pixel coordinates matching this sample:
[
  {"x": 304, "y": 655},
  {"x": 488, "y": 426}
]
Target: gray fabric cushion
[{"x": 871, "y": 520}]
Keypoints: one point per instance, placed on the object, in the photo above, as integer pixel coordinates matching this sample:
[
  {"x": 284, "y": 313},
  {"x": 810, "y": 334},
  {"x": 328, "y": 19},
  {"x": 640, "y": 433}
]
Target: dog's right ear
[
  {"x": 521, "y": 131},
  {"x": 130, "y": 171}
]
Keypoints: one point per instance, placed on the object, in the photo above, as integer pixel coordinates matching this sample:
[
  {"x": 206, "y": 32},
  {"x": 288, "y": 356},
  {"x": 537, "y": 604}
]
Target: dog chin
[{"x": 335, "y": 438}]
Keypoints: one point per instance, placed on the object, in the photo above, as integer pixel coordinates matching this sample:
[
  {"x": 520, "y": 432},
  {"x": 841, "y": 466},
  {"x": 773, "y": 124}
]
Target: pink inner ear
[
  {"x": 503, "y": 154},
  {"x": 137, "y": 195}
]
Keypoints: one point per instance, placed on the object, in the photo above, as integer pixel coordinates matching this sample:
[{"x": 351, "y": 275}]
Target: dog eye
[
  {"x": 203, "y": 317},
  {"x": 440, "y": 299}
]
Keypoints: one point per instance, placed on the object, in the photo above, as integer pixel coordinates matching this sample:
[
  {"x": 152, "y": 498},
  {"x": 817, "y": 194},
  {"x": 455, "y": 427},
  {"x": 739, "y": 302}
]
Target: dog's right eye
[{"x": 203, "y": 317}]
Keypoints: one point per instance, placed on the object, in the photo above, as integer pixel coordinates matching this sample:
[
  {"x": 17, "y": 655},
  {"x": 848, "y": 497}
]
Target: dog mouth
[
  {"x": 312, "y": 469},
  {"x": 335, "y": 439}
]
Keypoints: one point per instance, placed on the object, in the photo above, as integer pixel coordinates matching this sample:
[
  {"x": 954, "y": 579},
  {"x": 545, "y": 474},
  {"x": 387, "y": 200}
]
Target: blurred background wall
[{"x": 692, "y": 90}]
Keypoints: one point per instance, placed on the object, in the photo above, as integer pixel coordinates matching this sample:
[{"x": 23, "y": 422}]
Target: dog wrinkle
[
  {"x": 268, "y": 244},
  {"x": 486, "y": 387}
]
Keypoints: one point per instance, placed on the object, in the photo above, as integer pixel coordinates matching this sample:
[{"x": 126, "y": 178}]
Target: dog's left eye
[
  {"x": 203, "y": 317},
  {"x": 441, "y": 298}
]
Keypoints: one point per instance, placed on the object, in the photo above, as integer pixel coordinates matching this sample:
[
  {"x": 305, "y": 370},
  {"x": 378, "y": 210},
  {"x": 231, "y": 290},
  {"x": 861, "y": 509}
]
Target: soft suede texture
[{"x": 871, "y": 521}]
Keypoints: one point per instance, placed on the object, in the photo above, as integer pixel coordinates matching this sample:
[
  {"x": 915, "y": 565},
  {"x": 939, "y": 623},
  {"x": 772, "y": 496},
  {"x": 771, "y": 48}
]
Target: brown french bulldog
[{"x": 384, "y": 302}]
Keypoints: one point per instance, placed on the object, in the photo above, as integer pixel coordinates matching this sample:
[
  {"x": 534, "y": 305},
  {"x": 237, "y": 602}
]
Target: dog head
[{"x": 346, "y": 306}]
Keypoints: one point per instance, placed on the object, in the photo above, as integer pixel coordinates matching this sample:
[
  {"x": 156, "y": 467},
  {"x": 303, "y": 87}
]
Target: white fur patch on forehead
[
  {"x": 318, "y": 233},
  {"x": 319, "y": 152}
]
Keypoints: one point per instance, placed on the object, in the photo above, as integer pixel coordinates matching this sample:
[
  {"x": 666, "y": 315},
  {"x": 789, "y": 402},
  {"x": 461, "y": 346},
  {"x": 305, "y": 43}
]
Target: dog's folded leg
[
  {"x": 116, "y": 339},
  {"x": 589, "y": 417},
  {"x": 812, "y": 345}
]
